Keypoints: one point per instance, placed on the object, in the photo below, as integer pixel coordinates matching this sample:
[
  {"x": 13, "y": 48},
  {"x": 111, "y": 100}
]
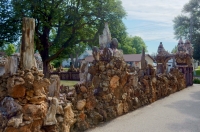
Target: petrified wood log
[{"x": 27, "y": 59}]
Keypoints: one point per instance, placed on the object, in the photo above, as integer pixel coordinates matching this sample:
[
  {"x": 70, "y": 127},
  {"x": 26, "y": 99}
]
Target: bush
[
  {"x": 196, "y": 81},
  {"x": 197, "y": 72},
  {"x": 10, "y": 49}
]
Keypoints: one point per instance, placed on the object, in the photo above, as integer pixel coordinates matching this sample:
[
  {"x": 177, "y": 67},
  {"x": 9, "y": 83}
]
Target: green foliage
[
  {"x": 10, "y": 49},
  {"x": 56, "y": 62},
  {"x": 174, "y": 50},
  {"x": 8, "y": 25},
  {"x": 181, "y": 26},
  {"x": 68, "y": 83},
  {"x": 133, "y": 45},
  {"x": 196, "y": 53},
  {"x": 61, "y": 24},
  {"x": 187, "y": 26},
  {"x": 197, "y": 71},
  {"x": 196, "y": 81}
]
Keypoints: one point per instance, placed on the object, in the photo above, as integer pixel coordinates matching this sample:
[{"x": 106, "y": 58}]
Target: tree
[
  {"x": 133, "y": 45},
  {"x": 127, "y": 49},
  {"x": 60, "y": 24},
  {"x": 10, "y": 49},
  {"x": 8, "y": 25},
  {"x": 174, "y": 50},
  {"x": 187, "y": 26},
  {"x": 196, "y": 53}
]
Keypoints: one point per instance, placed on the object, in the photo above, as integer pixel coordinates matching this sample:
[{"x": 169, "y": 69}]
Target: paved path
[{"x": 179, "y": 112}]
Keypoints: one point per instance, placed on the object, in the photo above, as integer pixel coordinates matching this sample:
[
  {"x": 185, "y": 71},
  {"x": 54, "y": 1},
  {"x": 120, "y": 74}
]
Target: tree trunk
[
  {"x": 72, "y": 59},
  {"x": 46, "y": 69},
  {"x": 76, "y": 61},
  {"x": 44, "y": 54},
  {"x": 44, "y": 39},
  {"x": 27, "y": 59}
]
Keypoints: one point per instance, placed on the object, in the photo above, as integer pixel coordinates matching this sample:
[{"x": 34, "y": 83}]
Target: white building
[
  {"x": 170, "y": 64},
  {"x": 85, "y": 54},
  {"x": 133, "y": 59},
  {"x": 66, "y": 62}
]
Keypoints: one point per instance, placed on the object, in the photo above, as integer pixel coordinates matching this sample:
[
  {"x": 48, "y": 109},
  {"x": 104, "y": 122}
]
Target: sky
[{"x": 152, "y": 20}]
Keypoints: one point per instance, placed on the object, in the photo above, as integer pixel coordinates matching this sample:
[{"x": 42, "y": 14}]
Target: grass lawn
[
  {"x": 197, "y": 71},
  {"x": 68, "y": 83},
  {"x": 66, "y": 69}
]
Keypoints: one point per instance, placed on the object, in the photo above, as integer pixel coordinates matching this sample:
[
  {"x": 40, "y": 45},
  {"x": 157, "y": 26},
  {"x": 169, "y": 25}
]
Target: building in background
[
  {"x": 66, "y": 62},
  {"x": 132, "y": 59}
]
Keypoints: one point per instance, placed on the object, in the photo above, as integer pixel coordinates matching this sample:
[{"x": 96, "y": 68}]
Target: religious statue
[
  {"x": 181, "y": 46},
  {"x": 95, "y": 53},
  {"x": 189, "y": 48}
]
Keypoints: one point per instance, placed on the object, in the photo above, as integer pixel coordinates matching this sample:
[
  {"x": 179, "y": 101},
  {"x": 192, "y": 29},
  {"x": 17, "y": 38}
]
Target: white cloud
[
  {"x": 153, "y": 10},
  {"x": 155, "y": 35},
  {"x": 153, "y": 20}
]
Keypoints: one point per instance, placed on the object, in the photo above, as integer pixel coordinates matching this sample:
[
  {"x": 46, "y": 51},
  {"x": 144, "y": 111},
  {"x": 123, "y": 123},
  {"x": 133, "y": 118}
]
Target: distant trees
[
  {"x": 187, "y": 25},
  {"x": 174, "y": 49},
  {"x": 133, "y": 45}
]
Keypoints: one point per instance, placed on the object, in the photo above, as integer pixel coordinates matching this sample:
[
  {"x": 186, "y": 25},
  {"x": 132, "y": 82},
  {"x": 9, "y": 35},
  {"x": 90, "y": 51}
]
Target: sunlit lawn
[
  {"x": 68, "y": 83},
  {"x": 197, "y": 71}
]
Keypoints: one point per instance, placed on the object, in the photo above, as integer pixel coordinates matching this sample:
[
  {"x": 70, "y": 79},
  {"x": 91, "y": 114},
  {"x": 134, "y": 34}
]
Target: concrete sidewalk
[{"x": 179, "y": 112}]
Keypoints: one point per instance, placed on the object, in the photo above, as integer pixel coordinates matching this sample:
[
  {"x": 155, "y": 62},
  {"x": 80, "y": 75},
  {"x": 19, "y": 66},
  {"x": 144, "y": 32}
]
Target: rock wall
[
  {"x": 31, "y": 103},
  {"x": 23, "y": 101},
  {"x": 115, "y": 88}
]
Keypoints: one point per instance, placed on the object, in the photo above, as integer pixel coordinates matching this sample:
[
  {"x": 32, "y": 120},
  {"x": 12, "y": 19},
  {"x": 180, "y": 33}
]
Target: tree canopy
[
  {"x": 174, "y": 50},
  {"x": 133, "y": 45},
  {"x": 9, "y": 29},
  {"x": 187, "y": 25},
  {"x": 61, "y": 24}
]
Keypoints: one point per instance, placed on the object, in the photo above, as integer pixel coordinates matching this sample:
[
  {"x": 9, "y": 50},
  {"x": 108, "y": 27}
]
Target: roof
[
  {"x": 127, "y": 57},
  {"x": 89, "y": 58},
  {"x": 85, "y": 53},
  {"x": 132, "y": 57}
]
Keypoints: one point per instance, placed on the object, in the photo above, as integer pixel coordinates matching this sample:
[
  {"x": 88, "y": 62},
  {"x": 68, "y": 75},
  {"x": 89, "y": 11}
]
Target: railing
[{"x": 67, "y": 75}]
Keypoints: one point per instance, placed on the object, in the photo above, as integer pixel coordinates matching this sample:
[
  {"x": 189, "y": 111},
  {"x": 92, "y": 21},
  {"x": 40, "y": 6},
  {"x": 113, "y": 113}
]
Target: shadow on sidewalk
[{"x": 191, "y": 108}]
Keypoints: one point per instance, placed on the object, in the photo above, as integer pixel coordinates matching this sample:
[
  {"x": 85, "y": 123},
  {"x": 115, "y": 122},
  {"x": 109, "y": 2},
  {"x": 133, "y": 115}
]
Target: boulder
[
  {"x": 15, "y": 121},
  {"x": 69, "y": 119},
  {"x": 34, "y": 112},
  {"x": 114, "y": 82},
  {"x": 11, "y": 107},
  {"x": 81, "y": 104},
  {"x": 17, "y": 91},
  {"x": 51, "y": 113}
]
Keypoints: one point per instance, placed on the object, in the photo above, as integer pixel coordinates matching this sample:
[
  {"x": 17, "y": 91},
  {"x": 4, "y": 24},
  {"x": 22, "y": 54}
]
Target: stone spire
[
  {"x": 105, "y": 38},
  {"x": 143, "y": 61}
]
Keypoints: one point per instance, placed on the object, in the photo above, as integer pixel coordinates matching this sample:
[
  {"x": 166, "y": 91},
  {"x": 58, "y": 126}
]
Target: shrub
[
  {"x": 196, "y": 81},
  {"x": 10, "y": 49},
  {"x": 197, "y": 72}
]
